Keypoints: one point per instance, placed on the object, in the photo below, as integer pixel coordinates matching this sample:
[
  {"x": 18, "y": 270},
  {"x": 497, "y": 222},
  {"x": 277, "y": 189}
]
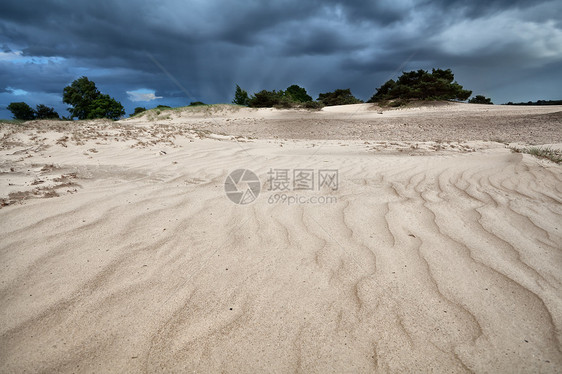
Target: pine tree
[{"x": 240, "y": 97}]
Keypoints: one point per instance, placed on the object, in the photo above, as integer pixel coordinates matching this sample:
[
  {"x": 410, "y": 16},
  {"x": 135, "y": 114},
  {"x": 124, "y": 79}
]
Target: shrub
[
  {"x": 297, "y": 94},
  {"x": 138, "y": 110},
  {"x": 21, "y": 111},
  {"x": 284, "y": 103},
  {"x": 45, "y": 112},
  {"x": 551, "y": 154},
  {"x": 163, "y": 107},
  {"x": 312, "y": 105},
  {"x": 338, "y": 97},
  {"x": 479, "y": 99},
  {"x": 397, "y": 103},
  {"x": 292, "y": 98},
  {"x": 196, "y": 103},
  {"x": 422, "y": 85},
  {"x": 240, "y": 97},
  {"x": 267, "y": 99},
  {"x": 88, "y": 102}
]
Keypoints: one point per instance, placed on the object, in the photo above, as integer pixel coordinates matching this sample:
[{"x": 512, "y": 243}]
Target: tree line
[
  {"x": 414, "y": 85},
  {"x": 22, "y": 111},
  {"x": 293, "y": 97},
  {"x": 87, "y": 102},
  {"x": 538, "y": 102}
]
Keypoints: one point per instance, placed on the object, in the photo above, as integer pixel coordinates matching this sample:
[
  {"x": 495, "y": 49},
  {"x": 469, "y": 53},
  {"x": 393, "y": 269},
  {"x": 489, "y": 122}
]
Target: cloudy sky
[{"x": 172, "y": 52}]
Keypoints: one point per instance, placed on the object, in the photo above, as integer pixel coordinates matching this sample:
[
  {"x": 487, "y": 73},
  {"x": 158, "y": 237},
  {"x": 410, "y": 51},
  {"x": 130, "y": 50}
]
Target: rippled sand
[{"x": 435, "y": 257}]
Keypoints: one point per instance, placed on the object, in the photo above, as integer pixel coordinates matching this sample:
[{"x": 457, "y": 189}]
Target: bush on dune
[
  {"x": 298, "y": 94},
  {"x": 138, "y": 110},
  {"x": 285, "y": 104},
  {"x": 338, "y": 97},
  {"x": 422, "y": 85},
  {"x": 293, "y": 97},
  {"x": 312, "y": 105},
  {"x": 268, "y": 99},
  {"x": 479, "y": 99}
]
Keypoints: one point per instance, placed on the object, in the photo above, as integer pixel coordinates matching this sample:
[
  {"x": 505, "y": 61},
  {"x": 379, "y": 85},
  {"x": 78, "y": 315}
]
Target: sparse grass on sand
[
  {"x": 12, "y": 121},
  {"x": 499, "y": 140},
  {"x": 207, "y": 109},
  {"x": 551, "y": 154}
]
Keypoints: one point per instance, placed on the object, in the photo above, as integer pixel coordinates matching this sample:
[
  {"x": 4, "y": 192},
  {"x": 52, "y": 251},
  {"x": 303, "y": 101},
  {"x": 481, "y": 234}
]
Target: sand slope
[
  {"x": 444, "y": 261},
  {"x": 428, "y": 122}
]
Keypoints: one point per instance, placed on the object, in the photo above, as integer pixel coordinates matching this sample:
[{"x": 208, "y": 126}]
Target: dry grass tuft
[{"x": 548, "y": 153}]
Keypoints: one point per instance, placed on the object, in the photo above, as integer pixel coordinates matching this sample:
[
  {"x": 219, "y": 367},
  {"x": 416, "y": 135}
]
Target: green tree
[
  {"x": 80, "y": 95},
  {"x": 298, "y": 94},
  {"x": 338, "y": 97},
  {"x": 106, "y": 107},
  {"x": 88, "y": 102},
  {"x": 138, "y": 110},
  {"x": 45, "y": 112},
  {"x": 21, "y": 111},
  {"x": 422, "y": 85},
  {"x": 479, "y": 99},
  {"x": 240, "y": 97}
]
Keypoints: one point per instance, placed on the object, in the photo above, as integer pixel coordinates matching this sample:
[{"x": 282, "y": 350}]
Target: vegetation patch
[
  {"x": 479, "y": 99},
  {"x": 548, "y": 153},
  {"x": 338, "y": 97},
  {"x": 12, "y": 121},
  {"x": 87, "y": 102},
  {"x": 422, "y": 85}
]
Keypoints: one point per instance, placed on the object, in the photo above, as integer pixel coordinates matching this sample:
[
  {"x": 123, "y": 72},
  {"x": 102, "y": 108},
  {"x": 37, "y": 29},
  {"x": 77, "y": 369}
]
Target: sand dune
[
  {"x": 431, "y": 256},
  {"x": 429, "y": 122}
]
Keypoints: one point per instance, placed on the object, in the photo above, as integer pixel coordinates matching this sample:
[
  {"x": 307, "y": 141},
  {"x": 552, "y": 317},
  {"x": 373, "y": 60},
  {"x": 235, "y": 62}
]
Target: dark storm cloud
[
  {"x": 319, "y": 41},
  {"x": 477, "y": 8},
  {"x": 209, "y": 45}
]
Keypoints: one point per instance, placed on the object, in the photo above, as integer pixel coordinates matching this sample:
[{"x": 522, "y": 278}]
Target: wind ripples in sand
[{"x": 448, "y": 263}]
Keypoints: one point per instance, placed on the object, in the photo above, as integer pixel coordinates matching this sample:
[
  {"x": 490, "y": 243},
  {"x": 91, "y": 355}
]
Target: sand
[{"x": 440, "y": 250}]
